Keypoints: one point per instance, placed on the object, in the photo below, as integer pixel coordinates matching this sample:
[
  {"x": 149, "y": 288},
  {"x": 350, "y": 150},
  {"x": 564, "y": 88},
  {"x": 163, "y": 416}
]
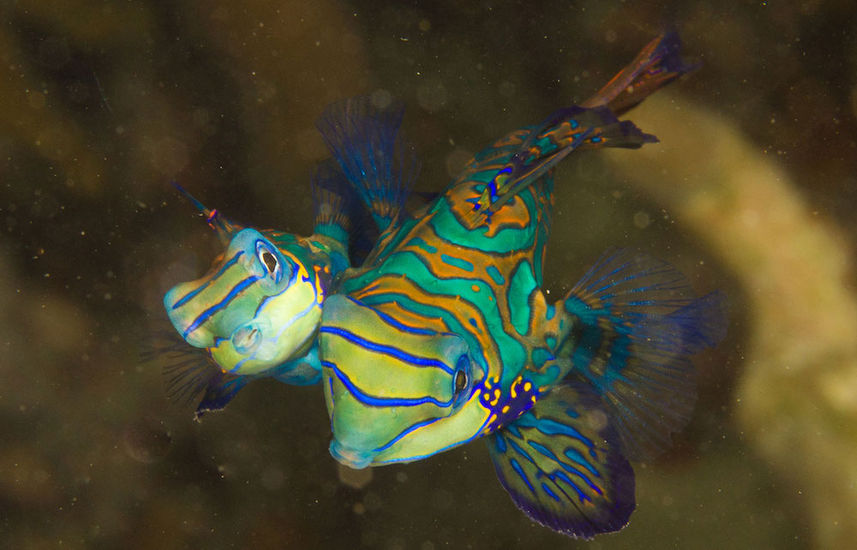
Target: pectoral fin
[{"x": 561, "y": 464}]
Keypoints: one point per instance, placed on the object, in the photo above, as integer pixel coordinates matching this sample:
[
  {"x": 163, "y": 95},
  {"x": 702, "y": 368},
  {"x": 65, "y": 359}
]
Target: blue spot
[
  {"x": 457, "y": 262},
  {"x": 549, "y": 492},
  {"x": 550, "y": 313},
  {"x": 495, "y": 275},
  {"x": 523, "y": 283},
  {"x": 541, "y": 356},
  {"x": 520, "y": 472},
  {"x": 561, "y": 475},
  {"x": 420, "y": 243}
]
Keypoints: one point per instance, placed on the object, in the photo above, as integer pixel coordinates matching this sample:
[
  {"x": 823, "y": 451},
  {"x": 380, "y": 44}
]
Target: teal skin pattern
[
  {"x": 256, "y": 313},
  {"x": 444, "y": 336}
]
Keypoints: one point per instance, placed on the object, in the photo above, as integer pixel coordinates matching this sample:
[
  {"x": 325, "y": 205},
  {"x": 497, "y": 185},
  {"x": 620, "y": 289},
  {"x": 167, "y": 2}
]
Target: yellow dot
[
  {"x": 527, "y": 386},
  {"x": 475, "y": 288}
]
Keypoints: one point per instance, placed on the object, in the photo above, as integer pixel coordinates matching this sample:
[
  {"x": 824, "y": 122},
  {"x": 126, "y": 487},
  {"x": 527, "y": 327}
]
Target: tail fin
[
  {"x": 658, "y": 64},
  {"x": 588, "y": 126},
  {"x": 566, "y": 130},
  {"x": 365, "y": 140},
  {"x": 629, "y": 328}
]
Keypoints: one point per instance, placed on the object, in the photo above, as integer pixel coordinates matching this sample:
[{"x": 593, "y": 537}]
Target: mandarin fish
[
  {"x": 444, "y": 335},
  {"x": 256, "y": 312}
]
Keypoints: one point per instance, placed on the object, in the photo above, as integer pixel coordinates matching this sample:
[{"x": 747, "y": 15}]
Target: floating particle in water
[
  {"x": 372, "y": 501},
  {"x": 272, "y": 478},
  {"x": 441, "y": 499},
  {"x": 431, "y": 95},
  {"x": 642, "y": 219},
  {"x": 456, "y": 161},
  {"x": 357, "y": 479},
  {"x": 507, "y": 89},
  {"x": 146, "y": 440},
  {"x": 381, "y": 98}
]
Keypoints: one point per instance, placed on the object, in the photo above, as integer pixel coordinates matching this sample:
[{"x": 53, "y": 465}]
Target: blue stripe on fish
[
  {"x": 205, "y": 315},
  {"x": 189, "y": 296},
  {"x": 393, "y": 322},
  {"x": 375, "y": 401},
  {"x": 406, "y": 431},
  {"x": 387, "y": 350}
]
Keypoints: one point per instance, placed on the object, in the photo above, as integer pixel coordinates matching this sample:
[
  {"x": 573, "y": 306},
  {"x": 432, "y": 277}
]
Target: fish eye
[
  {"x": 460, "y": 379},
  {"x": 268, "y": 259}
]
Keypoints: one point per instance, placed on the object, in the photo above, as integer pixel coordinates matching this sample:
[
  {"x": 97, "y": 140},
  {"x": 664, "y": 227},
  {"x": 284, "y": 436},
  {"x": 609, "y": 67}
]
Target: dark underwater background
[{"x": 752, "y": 190}]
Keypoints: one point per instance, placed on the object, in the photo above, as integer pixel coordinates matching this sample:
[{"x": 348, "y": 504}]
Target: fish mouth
[{"x": 353, "y": 458}]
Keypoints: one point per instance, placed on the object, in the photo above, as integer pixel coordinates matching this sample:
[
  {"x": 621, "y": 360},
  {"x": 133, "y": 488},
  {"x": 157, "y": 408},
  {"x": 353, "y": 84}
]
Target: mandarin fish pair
[
  {"x": 256, "y": 313},
  {"x": 443, "y": 334}
]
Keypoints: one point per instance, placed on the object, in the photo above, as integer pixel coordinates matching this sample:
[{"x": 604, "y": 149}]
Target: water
[{"x": 751, "y": 190}]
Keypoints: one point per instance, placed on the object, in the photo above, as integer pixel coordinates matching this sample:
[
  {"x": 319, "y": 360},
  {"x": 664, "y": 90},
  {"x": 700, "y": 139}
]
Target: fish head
[
  {"x": 257, "y": 307},
  {"x": 395, "y": 392}
]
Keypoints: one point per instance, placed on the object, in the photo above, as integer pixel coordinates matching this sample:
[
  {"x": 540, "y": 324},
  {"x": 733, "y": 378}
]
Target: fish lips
[{"x": 351, "y": 457}]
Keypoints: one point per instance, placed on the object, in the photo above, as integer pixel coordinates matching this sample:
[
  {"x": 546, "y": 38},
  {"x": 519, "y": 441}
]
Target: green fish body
[{"x": 444, "y": 336}]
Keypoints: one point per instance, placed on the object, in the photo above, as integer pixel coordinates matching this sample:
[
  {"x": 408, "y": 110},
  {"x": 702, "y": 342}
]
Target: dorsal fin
[
  {"x": 365, "y": 139},
  {"x": 224, "y": 227}
]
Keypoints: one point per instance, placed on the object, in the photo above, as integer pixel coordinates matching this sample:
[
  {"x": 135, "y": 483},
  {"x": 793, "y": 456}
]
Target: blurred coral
[{"x": 797, "y": 399}]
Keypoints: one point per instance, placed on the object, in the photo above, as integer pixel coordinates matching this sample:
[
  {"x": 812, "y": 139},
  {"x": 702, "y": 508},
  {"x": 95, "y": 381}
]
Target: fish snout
[{"x": 182, "y": 317}]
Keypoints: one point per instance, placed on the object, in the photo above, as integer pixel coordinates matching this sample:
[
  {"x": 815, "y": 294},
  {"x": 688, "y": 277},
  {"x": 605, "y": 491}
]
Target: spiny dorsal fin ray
[
  {"x": 225, "y": 228},
  {"x": 561, "y": 463}
]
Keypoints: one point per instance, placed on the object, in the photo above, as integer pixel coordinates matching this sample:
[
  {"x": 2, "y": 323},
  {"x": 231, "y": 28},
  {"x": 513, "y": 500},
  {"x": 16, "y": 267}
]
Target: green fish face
[
  {"x": 258, "y": 307},
  {"x": 395, "y": 393}
]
